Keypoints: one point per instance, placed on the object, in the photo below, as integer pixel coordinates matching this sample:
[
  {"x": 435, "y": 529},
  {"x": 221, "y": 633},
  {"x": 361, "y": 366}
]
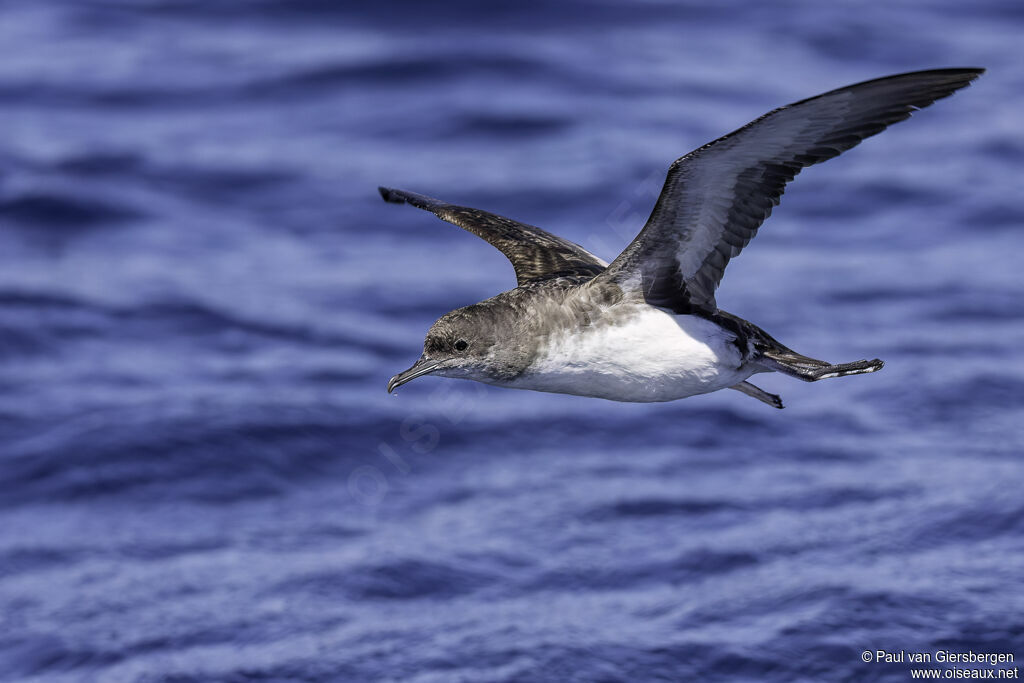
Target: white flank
[{"x": 651, "y": 356}]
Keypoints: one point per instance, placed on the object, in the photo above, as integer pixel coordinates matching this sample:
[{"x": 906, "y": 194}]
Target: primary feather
[{"x": 716, "y": 197}]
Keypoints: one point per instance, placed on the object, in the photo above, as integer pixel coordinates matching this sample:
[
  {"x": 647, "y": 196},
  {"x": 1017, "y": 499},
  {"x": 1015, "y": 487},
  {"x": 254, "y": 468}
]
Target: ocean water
[{"x": 202, "y": 298}]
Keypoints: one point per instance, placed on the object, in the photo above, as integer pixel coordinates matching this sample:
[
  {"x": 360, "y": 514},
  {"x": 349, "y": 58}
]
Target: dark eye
[{"x": 461, "y": 345}]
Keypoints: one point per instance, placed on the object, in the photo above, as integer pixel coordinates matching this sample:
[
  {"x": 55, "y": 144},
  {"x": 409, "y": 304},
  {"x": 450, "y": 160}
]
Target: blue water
[{"x": 202, "y": 297}]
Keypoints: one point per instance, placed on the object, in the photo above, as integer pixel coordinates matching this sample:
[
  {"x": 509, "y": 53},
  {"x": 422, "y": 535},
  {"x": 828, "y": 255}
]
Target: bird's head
[{"x": 476, "y": 342}]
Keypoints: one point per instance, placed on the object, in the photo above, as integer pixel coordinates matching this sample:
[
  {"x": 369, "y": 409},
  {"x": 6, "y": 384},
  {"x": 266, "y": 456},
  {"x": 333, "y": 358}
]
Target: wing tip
[
  {"x": 971, "y": 71},
  {"x": 976, "y": 70},
  {"x": 391, "y": 195},
  {"x": 953, "y": 77},
  {"x": 968, "y": 74},
  {"x": 974, "y": 73}
]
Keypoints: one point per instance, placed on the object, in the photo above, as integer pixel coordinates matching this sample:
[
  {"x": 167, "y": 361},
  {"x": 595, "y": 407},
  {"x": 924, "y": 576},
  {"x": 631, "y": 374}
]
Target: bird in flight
[{"x": 646, "y": 326}]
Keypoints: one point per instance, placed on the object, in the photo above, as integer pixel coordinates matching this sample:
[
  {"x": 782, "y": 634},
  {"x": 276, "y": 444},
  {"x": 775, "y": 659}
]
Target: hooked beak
[{"x": 420, "y": 368}]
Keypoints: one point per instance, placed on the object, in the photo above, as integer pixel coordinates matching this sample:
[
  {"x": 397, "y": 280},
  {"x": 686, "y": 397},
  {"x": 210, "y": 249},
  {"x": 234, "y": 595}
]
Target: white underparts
[{"x": 647, "y": 355}]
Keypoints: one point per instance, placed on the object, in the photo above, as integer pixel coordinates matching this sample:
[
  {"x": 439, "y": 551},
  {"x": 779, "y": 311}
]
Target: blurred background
[{"x": 202, "y": 297}]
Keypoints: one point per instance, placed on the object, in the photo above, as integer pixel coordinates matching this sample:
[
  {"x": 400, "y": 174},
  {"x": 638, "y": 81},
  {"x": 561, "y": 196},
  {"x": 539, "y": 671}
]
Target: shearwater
[{"x": 646, "y": 327}]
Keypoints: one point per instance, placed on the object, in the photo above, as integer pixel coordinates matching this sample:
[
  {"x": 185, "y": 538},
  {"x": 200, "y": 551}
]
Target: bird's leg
[{"x": 760, "y": 394}]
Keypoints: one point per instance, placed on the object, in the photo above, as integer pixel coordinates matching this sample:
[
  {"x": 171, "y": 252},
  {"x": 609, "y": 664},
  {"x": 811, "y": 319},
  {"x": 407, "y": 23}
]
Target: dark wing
[
  {"x": 534, "y": 253},
  {"x": 717, "y": 196}
]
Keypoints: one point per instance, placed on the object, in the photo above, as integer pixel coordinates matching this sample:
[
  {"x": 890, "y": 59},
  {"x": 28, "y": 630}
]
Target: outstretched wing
[
  {"x": 534, "y": 253},
  {"x": 717, "y": 196}
]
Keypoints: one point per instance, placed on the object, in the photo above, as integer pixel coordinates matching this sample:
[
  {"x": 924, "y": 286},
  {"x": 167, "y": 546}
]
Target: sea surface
[{"x": 202, "y": 297}]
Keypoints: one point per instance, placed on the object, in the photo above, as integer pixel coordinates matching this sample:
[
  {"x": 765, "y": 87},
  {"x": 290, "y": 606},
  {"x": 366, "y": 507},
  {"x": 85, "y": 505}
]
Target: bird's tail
[{"x": 791, "y": 363}]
